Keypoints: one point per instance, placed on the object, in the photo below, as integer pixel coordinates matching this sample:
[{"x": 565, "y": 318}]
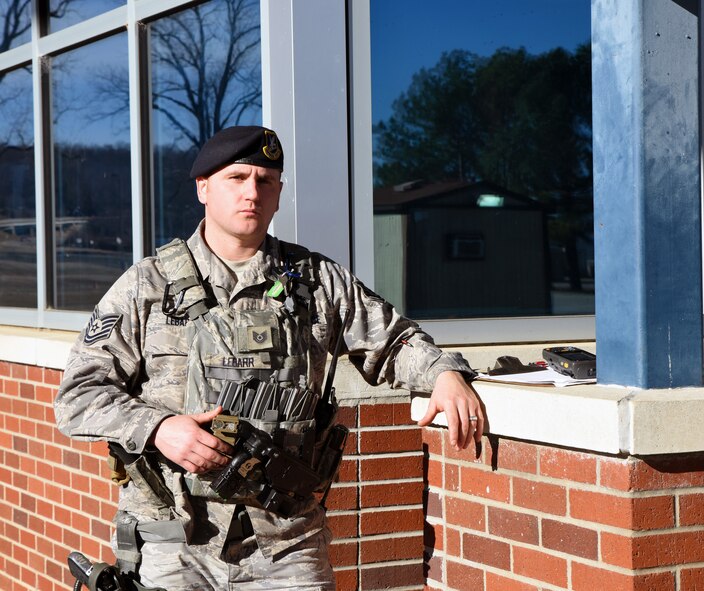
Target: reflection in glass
[
  {"x": 18, "y": 243},
  {"x": 206, "y": 75},
  {"x": 93, "y": 232},
  {"x": 15, "y": 24},
  {"x": 482, "y": 157},
  {"x": 65, "y": 13}
]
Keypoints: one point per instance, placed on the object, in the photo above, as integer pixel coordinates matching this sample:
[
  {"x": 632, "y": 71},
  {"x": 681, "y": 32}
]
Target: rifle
[{"x": 101, "y": 576}]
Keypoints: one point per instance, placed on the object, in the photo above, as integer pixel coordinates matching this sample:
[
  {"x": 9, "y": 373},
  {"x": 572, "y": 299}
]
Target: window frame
[
  {"x": 446, "y": 332},
  {"x": 333, "y": 69}
]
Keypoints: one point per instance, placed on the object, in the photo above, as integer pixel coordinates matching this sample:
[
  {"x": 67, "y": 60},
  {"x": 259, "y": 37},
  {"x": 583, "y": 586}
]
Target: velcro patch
[
  {"x": 259, "y": 338},
  {"x": 100, "y": 327}
]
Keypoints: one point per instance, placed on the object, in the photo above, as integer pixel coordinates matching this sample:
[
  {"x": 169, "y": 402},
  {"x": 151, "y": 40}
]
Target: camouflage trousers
[
  {"x": 215, "y": 563},
  {"x": 179, "y": 567}
]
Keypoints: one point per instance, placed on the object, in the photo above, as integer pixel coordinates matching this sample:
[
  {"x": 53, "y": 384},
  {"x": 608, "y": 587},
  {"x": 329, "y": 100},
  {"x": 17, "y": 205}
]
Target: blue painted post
[{"x": 647, "y": 213}]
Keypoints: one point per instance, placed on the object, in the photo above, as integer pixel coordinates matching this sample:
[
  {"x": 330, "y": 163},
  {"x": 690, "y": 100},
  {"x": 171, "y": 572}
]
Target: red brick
[
  {"x": 348, "y": 470},
  {"x": 343, "y": 553},
  {"x": 343, "y": 525},
  {"x": 434, "y": 536},
  {"x": 346, "y": 580},
  {"x": 452, "y": 478},
  {"x": 691, "y": 509},
  {"x": 496, "y": 582},
  {"x": 461, "y": 576},
  {"x": 692, "y": 579},
  {"x": 388, "y": 468},
  {"x": 538, "y": 565},
  {"x": 512, "y": 455},
  {"x": 380, "y": 522},
  {"x": 657, "y": 473},
  {"x": 27, "y": 391},
  {"x": 667, "y": 549},
  {"x": 347, "y": 415},
  {"x": 486, "y": 551},
  {"x": 432, "y": 440},
  {"x": 434, "y": 570},
  {"x": 342, "y": 498},
  {"x": 584, "y": 577},
  {"x": 454, "y": 542},
  {"x": 18, "y": 371},
  {"x": 389, "y": 441},
  {"x": 569, "y": 465},
  {"x": 432, "y": 504},
  {"x": 483, "y": 483},
  {"x": 464, "y": 455},
  {"x": 569, "y": 538},
  {"x": 44, "y": 394},
  {"x": 433, "y": 474},
  {"x": 398, "y": 575},
  {"x": 52, "y": 377},
  {"x": 464, "y": 513},
  {"x": 520, "y": 527},
  {"x": 398, "y": 493},
  {"x": 390, "y": 549},
  {"x": 381, "y": 415},
  {"x": 540, "y": 496},
  {"x": 637, "y": 513}
]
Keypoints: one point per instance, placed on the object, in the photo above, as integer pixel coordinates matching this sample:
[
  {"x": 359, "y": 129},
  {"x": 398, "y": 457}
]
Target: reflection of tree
[
  {"x": 207, "y": 67},
  {"x": 520, "y": 121},
  {"x": 17, "y": 20}
]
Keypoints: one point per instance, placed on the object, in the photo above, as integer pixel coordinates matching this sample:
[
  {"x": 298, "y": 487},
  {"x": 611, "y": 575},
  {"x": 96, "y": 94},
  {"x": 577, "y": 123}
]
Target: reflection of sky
[
  {"x": 16, "y": 108},
  {"x": 80, "y": 10},
  {"x": 410, "y": 34},
  {"x": 89, "y": 84}
]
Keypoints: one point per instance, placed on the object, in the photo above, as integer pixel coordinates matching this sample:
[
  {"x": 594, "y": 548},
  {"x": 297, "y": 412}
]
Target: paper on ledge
[{"x": 546, "y": 377}]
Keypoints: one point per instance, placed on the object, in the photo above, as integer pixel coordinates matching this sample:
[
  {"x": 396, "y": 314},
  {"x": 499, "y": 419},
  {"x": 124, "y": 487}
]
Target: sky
[{"x": 410, "y": 34}]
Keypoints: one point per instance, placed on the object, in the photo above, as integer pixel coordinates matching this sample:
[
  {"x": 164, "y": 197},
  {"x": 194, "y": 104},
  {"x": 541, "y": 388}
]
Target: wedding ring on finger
[{"x": 473, "y": 418}]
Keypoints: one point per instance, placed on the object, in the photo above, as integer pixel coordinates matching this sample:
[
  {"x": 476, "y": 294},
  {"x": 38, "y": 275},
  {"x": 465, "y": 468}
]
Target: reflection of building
[{"x": 459, "y": 249}]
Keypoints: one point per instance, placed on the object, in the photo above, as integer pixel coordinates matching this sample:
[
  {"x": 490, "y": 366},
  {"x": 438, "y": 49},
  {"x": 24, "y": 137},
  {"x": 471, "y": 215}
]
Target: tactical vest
[{"x": 253, "y": 362}]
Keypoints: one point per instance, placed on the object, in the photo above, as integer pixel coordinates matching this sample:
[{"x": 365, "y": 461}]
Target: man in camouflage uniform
[{"x": 141, "y": 376}]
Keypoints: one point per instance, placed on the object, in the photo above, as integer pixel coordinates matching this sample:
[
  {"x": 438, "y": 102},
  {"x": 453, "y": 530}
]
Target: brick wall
[
  {"x": 55, "y": 495},
  {"x": 528, "y": 517},
  {"x": 524, "y": 517}
]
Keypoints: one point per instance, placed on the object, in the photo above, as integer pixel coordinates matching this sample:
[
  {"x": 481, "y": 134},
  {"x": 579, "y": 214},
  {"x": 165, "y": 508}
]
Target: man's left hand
[{"x": 460, "y": 403}]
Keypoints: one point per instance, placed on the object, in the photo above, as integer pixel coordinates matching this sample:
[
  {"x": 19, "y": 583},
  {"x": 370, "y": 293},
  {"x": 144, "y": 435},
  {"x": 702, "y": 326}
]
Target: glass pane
[
  {"x": 206, "y": 75},
  {"x": 482, "y": 157},
  {"x": 93, "y": 238},
  {"x": 65, "y": 13},
  {"x": 16, "y": 25},
  {"x": 18, "y": 242}
]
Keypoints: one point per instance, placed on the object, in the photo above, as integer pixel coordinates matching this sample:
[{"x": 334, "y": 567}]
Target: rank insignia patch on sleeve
[{"x": 100, "y": 327}]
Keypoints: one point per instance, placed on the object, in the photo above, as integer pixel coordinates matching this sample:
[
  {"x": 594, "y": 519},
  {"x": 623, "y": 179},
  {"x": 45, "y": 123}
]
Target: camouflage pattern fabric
[{"x": 129, "y": 368}]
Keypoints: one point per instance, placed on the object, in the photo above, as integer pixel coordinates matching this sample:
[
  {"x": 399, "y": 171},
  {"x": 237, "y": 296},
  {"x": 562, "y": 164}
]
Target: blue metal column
[{"x": 647, "y": 214}]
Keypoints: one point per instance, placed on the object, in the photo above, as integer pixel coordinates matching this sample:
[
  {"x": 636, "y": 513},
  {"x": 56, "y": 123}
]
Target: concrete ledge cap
[{"x": 608, "y": 419}]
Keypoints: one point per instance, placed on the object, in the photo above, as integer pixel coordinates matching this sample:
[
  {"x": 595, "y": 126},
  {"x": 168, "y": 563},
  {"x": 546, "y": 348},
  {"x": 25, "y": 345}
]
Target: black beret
[{"x": 248, "y": 144}]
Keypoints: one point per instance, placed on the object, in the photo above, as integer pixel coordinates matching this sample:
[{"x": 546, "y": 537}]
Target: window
[
  {"x": 64, "y": 13},
  {"x": 482, "y": 194},
  {"x": 18, "y": 239},
  {"x": 92, "y": 203},
  {"x": 100, "y": 118},
  {"x": 206, "y": 75}
]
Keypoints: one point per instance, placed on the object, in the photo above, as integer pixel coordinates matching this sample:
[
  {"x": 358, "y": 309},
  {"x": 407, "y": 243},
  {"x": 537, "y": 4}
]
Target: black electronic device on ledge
[{"x": 571, "y": 361}]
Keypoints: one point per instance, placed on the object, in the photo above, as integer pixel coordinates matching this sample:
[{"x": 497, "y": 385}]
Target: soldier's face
[{"x": 240, "y": 200}]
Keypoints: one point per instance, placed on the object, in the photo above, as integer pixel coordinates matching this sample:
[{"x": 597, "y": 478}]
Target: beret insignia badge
[{"x": 272, "y": 150}]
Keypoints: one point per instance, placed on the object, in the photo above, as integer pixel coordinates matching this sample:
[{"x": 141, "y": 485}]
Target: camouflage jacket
[{"x": 128, "y": 368}]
